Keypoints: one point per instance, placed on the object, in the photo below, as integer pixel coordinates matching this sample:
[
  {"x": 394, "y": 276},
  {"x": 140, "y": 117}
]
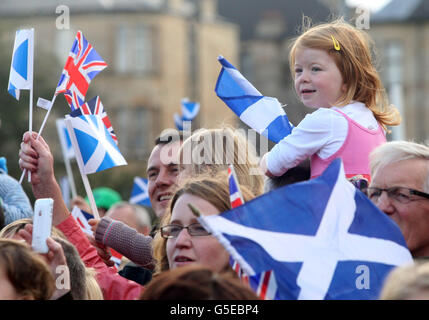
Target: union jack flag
[
  {"x": 82, "y": 218},
  {"x": 82, "y": 65},
  {"x": 94, "y": 106}
]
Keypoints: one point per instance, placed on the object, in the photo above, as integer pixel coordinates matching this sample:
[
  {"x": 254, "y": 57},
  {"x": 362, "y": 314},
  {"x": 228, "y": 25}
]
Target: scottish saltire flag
[
  {"x": 235, "y": 196},
  {"x": 82, "y": 65},
  {"x": 94, "y": 106},
  {"x": 82, "y": 217},
  {"x": 323, "y": 239},
  {"x": 263, "y": 114},
  {"x": 190, "y": 110},
  {"x": 21, "y": 68},
  {"x": 139, "y": 193},
  {"x": 66, "y": 145},
  {"x": 93, "y": 145}
]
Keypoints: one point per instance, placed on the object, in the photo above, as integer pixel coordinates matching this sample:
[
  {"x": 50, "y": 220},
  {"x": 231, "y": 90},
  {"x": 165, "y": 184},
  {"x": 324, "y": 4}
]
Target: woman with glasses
[{"x": 182, "y": 240}]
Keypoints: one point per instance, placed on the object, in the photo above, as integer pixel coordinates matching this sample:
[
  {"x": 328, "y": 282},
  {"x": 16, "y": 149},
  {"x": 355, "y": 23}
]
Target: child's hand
[
  {"x": 264, "y": 168},
  {"x": 94, "y": 224}
]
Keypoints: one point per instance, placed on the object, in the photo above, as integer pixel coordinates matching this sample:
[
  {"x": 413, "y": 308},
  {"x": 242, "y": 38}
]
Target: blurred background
[{"x": 160, "y": 51}]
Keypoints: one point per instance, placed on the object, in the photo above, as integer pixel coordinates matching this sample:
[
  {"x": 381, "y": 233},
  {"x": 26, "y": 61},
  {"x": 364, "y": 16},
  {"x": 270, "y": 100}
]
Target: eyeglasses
[
  {"x": 173, "y": 230},
  {"x": 400, "y": 194}
]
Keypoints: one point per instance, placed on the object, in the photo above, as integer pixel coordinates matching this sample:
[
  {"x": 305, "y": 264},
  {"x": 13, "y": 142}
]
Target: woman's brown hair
[
  {"x": 196, "y": 282},
  {"x": 26, "y": 270},
  {"x": 214, "y": 190}
]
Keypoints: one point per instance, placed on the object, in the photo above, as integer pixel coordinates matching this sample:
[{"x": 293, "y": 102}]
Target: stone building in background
[{"x": 158, "y": 52}]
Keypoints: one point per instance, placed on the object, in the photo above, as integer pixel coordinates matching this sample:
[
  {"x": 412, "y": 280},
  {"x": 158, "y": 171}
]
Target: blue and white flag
[
  {"x": 323, "y": 239},
  {"x": 21, "y": 69},
  {"x": 66, "y": 145},
  {"x": 82, "y": 218},
  {"x": 263, "y": 114},
  {"x": 93, "y": 145},
  {"x": 190, "y": 110},
  {"x": 140, "y": 194}
]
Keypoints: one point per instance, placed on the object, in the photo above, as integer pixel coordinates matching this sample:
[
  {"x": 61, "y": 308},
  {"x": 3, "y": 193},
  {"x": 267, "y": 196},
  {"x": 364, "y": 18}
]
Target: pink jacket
[{"x": 114, "y": 286}]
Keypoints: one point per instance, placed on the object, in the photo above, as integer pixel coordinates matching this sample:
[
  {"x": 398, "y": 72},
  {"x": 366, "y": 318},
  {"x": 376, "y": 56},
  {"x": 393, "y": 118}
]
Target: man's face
[
  {"x": 162, "y": 171},
  {"x": 413, "y": 217}
]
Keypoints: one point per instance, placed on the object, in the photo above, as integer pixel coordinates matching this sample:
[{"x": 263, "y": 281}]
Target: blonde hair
[
  {"x": 222, "y": 147},
  {"x": 213, "y": 190},
  {"x": 354, "y": 61},
  {"x": 93, "y": 291},
  {"x": 12, "y": 228},
  {"x": 406, "y": 282}
]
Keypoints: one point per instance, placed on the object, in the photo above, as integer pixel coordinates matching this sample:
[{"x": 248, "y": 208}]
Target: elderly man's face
[{"x": 413, "y": 217}]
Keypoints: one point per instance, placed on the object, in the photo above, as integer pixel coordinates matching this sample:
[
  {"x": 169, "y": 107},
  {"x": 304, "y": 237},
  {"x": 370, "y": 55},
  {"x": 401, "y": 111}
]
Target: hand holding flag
[
  {"x": 94, "y": 148},
  {"x": 82, "y": 65},
  {"x": 263, "y": 114}
]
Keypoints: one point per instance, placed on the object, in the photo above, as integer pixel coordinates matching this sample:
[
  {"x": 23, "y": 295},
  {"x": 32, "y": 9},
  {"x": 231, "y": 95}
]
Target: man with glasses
[{"x": 400, "y": 188}]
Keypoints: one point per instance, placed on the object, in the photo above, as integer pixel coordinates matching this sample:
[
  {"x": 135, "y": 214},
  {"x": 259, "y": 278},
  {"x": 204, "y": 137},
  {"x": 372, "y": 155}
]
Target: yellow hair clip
[{"x": 336, "y": 43}]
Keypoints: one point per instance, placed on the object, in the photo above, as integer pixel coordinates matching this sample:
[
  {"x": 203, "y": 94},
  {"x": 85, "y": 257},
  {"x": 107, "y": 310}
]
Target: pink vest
[{"x": 354, "y": 152}]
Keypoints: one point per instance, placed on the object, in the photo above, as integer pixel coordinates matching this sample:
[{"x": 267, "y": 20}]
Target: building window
[
  {"x": 135, "y": 50},
  {"x": 134, "y": 131}
]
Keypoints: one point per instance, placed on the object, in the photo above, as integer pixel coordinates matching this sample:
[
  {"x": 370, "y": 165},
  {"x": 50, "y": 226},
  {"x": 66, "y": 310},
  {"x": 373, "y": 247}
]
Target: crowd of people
[{"x": 333, "y": 73}]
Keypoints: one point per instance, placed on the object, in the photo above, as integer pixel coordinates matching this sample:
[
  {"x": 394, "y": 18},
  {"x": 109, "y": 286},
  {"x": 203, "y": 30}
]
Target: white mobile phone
[{"x": 42, "y": 224}]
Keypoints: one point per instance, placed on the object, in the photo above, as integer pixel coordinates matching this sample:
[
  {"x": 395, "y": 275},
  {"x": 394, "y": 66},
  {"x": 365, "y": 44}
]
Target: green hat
[{"x": 105, "y": 197}]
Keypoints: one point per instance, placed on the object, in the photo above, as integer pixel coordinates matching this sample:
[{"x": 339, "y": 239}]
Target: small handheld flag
[
  {"x": 82, "y": 218},
  {"x": 263, "y": 114},
  {"x": 21, "y": 69},
  {"x": 189, "y": 112},
  {"x": 139, "y": 194},
  {"x": 93, "y": 145},
  {"x": 82, "y": 65}
]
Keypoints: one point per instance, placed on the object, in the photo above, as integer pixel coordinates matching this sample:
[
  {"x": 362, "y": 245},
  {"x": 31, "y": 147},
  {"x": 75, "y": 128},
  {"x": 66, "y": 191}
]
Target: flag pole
[
  {"x": 81, "y": 167},
  {"x": 60, "y": 123},
  {"x": 38, "y": 135},
  {"x": 30, "y": 120},
  {"x": 70, "y": 177},
  {"x": 90, "y": 196},
  {"x": 30, "y": 117}
]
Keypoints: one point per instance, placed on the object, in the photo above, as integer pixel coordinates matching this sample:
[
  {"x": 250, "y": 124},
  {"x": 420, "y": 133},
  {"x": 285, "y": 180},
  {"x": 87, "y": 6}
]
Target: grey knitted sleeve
[{"x": 125, "y": 240}]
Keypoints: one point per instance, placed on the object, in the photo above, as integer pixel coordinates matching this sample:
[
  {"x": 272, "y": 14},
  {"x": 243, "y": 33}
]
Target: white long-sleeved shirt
[{"x": 323, "y": 132}]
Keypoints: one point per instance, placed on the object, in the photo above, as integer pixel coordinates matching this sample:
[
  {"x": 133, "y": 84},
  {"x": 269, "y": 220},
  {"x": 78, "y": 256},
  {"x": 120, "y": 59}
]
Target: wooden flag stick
[
  {"x": 81, "y": 169},
  {"x": 38, "y": 135},
  {"x": 70, "y": 177},
  {"x": 30, "y": 117},
  {"x": 90, "y": 196}
]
